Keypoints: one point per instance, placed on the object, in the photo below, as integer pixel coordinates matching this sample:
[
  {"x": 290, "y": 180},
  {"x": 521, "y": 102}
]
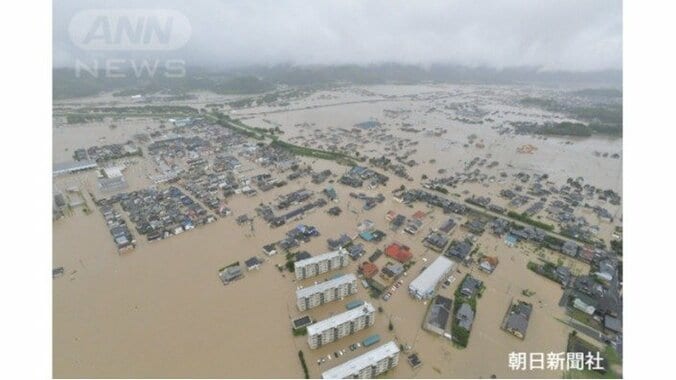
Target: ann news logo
[{"x": 130, "y": 30}]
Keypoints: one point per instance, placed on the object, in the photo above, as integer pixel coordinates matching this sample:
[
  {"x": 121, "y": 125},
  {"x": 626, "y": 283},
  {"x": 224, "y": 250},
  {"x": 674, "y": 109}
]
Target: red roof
[
  {"x": 369, "y": 269},
  {"x": 493, "y": 260},
  {"x": 398, "y": 252},
  {"x": 419, "y": 214}
]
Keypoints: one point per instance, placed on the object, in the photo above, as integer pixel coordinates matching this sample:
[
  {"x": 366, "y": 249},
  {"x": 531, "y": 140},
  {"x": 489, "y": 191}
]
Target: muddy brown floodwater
[{"x": 161, "y": 310}]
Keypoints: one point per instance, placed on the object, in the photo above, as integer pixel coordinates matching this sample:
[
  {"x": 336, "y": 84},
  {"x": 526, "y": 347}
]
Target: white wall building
[
  {"x": 425, "y": 285},
  {"x": 323, "y": 263},
  {"x": 72, "y": 167},
  {"x": 341, "y": 325},
  {"x": 327, "y": 291},
  {"x": 368, "y": 365}
]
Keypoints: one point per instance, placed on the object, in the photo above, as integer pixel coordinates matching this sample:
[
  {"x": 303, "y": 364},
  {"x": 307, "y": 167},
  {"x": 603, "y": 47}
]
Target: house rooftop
[
  {"x": 612, "y": 323},
  {"x": 465, "y": 316},
  {"x": 519, "y": 316},
  {"x": 470, "y": 286},
  {"x": 440, "y": 312},
  {"x": 369, "y": 269},
  {"x": 459, "y": 250},
  {"x": 398, "y": 252},
  {"x": 252, "y": 262}
]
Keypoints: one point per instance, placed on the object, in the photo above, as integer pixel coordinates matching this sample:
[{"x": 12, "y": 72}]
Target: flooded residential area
[
  {"x": 335, "y": 190},
  {"x": 178, "y": 226}
]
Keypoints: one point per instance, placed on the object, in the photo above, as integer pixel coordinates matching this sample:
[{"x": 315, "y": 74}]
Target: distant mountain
[
  {"x": 259, "y": 79},
  {"x": 395, "y": 73}
]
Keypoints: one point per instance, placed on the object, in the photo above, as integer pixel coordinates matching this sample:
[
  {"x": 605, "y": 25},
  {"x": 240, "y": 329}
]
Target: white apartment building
[
  {"x": 327, "y": 291},
  {"x": 368, "y": 365},
  {"x": 323, "y": 263},
  {"x": 341, "y": 325}
]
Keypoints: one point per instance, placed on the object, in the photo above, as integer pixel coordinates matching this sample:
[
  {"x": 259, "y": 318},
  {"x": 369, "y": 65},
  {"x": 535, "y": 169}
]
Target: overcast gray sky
[{"x": 557, "y": 34}]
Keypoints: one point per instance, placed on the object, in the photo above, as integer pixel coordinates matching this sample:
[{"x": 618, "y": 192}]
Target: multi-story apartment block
[
  {"x": 368, "y": 365},
  {"x": 341, "y": 325},
  {"x": 327, "y": 291},
  {"x": 323, "y": 263}
]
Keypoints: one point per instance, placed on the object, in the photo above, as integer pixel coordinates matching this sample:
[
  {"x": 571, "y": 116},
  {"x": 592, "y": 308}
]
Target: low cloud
[{"x": 552, "y": 35}]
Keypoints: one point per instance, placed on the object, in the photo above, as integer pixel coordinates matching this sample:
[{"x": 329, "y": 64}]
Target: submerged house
[
  {"x": 459, "y": 250},
  {"x": 231, "y": 273},
  {"x": 470, "y": 286},
  {"x": 465, "y": 316},
  {"x": 438, "y": 316},
  {"x": 253, "y": 263},
  {"x": 488, "y": 263},
  {"x": 436, "y": 241},
  {"x": 398, "y": 252},
  {"x": 518, "y": 318}
]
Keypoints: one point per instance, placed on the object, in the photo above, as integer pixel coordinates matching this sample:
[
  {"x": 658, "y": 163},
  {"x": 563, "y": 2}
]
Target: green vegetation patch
[
  {"x": 303, "y": 364},
  {"x": 338, "y": 157},
  {"x": 526, "y": 219},
  {"x": 566, "y": 128},
  {"x": 300, "y": 331},
  {"x": 459, "y": 334}
]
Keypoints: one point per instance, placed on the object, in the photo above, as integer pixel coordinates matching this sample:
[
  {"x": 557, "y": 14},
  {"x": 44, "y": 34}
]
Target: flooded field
[{"x": 423, "y": 107}]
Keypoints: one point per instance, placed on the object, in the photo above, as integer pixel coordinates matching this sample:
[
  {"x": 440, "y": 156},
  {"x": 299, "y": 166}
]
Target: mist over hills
[{"x": 259, "y": 79}]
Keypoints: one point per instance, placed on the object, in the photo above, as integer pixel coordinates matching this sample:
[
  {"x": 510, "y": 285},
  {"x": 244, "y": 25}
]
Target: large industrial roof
[
  {"x": 351, "y": 367},
  {"x": 64, "y": 167},
  {"x": 429, "y": 278}
]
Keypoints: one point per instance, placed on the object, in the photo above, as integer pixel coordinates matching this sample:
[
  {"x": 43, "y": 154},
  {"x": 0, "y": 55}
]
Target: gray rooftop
[
  {"x": 439, "y": 312},
  {"x": 465, "y": 316},
  {"x": 518, "y": 317}
]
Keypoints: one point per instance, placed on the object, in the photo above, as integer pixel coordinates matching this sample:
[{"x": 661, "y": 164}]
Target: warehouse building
[
  {"x": 340, "y": 325},
  {"x": 327, "y": 291},
  {"x": 317, "y": 265},
  {"x": 368, "y": 365},
  {"x": 73, "y": 167},
  {"x": 425, "y": 285}
]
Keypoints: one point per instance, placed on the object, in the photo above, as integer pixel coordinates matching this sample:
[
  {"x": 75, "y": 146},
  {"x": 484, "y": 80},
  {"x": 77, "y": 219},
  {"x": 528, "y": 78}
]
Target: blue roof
[
  {"x": 373, "y": 339},
  {"x": 358, "y": 170},
  {"x": 356, "y": 303}
]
